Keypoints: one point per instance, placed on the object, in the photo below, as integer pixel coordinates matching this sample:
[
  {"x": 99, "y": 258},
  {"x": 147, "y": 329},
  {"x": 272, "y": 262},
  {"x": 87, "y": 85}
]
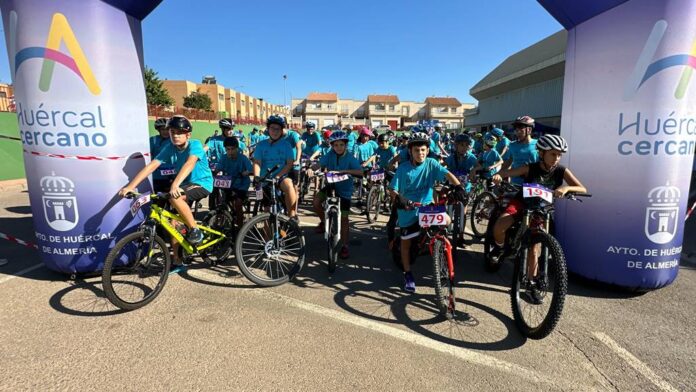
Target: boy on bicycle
[
  {"x": 385, "y": 152},
  {"x": 413, "y": 182},
  {"x": 338, "y": 161},
  {"x": 547, "y": 172},
  {"x": 490, "y": 159},
  {"x": 193, "y": 181},
  {"x": 237, "y": 166},
  {"x": 276, "y": 150},
  {"x": 462, "y": 161}
]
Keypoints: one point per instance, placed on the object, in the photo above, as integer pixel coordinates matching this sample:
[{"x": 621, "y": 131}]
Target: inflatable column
[{"x": 77, "y": 69}]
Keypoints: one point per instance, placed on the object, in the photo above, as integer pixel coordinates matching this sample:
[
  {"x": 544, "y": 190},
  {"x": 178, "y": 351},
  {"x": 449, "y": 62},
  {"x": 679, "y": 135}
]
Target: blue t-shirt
[
  {"x": 416, "y": 183},
  {"x": 502, "y": 143},
  {"x": 478, "y": 147},
  {"x": 173, "y": 157},
  {"x": 332, "y": 162},
  {"x": 271, "y": 154},
  {"x": 352, "y": 138},
  {"x": 488, "y": 159},
  {"x": 365, "y": 150},
  {"x": 292, "y": 138},
  {"x": 385, "y": 156},
  {"x": 522, "y": 154},
  {"x": 325, "y": 148},
  {"x": 434, "y": 138},
  {"x": 234, "y": 168},
  {"x": 461, "y": 166},
  {"x": 253, "y": 138},
  {"x": 312, "y": 142},
  {"x": 216, "y": 148},
  {"x": 156, "y": 145}
]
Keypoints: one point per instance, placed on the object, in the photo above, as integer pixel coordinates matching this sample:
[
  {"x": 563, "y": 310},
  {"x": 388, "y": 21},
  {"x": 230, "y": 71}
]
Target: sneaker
[
  {"x": 495, "y": 252},
  {"x": 176, "y": 266},
  {"x": 410, "y": 284},
  {"x": 344, "y": 252},
  {"x": 195, "y": 236}
]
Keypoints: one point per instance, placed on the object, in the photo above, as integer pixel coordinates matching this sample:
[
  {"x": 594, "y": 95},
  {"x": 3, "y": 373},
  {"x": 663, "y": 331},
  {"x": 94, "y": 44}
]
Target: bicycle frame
[{"x": 161, "y": 217}]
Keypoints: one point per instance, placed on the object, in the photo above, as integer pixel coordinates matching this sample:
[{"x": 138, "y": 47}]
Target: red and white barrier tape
[
  {"x": 18, "y": 241},
  {"x": 691, "y": 210},
  {"x": 86, "y": 157}
]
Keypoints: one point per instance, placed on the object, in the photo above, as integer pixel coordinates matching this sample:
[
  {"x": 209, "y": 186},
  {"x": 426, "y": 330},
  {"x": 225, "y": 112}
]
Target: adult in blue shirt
[
  {"x": 338, "y": 161},
  {"x": 163, "y": 176},
  {"x": 311, "y": 139},
  {"x": 523, "y": 151},
  {"x": 365, "y": 150},
  {"x": 276, "y": 151},
  {"x": 413, "y": 182},
  {"x": 462, "y": 161},
  {"x": 214, "y": 146},
  {"x": 237, "y": 166},
  {"x": 503, "y": 142},
  {"x": 193, "y": 180}
]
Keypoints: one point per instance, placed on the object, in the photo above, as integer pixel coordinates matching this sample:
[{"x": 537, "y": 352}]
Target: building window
[
  {"x": 232, "y": 100},
  {"x": 454, "y": 110},
  {"x": 379, "y": 106},
  {"x": 221, "y": 97},
  {"x": 317, "y": 106},
  {"x": 3, "y": 94},
  {"x": 391, "y": 108},
  {"x": 442, "y": 110}
]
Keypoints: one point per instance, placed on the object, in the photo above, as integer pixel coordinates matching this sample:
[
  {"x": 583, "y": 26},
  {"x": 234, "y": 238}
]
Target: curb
[{"x": 19, "y": 184}]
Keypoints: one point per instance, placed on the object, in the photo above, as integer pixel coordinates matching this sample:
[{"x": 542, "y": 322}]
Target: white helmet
[{"x": 552, "y": 142}]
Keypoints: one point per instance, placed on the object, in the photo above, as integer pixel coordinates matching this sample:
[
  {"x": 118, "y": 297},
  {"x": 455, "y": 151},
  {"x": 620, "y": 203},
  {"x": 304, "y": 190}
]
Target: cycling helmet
[
  {"x": 310, "y": 125},
  {"x": 161, "y": 123},
  {"x": 490, "y": 140},
  {"x": 383, "y": 138},
  {"x": 338, "y": 135},
  {"x": 463, "y": 138},
  {"x": 231, "y": 141},
  {"x": 366, "y": 131},
  {"x": 552, "y": 142},
  {"x": 327, "y": 133},
  {"x": 226, "y": 123},
  {"x": 405, "y": 135},
  {"x": 255, "y": 129},
  {"x": 419, "y": 138},
  {"x": 180, "y": 123},
  {"x": 276, "y": 120},
  {"x": 497, "y": 132},
  {"x": 526, "y": 121}
]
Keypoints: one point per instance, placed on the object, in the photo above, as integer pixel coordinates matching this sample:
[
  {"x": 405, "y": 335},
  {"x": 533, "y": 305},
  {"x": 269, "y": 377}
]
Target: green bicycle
[{"x": 136, "y": 269}]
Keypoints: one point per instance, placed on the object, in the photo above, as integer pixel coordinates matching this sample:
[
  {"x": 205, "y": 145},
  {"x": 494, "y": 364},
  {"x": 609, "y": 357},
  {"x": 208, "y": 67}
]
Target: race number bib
[
  {"x": 139, "y": 202},
  {"x": 536, "y": 190},
  {"x": 432, "y": 216},
  {"x": 333, "y": 178},
  {"x": 377, "y": 175},
  {"x": 222, "y": 182},
  {"x": 259, "y": 193},
  {"x": 461, "y": 176},
  {"x": 167, "y": 172}
]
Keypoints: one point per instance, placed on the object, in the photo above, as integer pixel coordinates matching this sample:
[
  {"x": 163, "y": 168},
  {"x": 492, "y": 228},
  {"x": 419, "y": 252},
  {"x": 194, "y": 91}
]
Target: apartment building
[
  {"x": 6, "y": 98},
  {"x": 446, "y": 110},
  {"x": 319, "y": 108},
  {"x": 384, "y": 110}
]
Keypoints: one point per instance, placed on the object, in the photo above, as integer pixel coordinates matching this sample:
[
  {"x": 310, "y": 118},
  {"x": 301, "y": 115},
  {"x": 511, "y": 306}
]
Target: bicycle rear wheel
[
  {"x": 270, "y": 251},
  {"x": 332, "y": 244},
  {"x": 135, "y": 270},
  {"x": 374, "y": 204},
  {"x": 537, "y": 304},
  {"x": 223, "y": 222},
  {"x": 444, "y": 286},
  {"x": 480, "y": 213}
]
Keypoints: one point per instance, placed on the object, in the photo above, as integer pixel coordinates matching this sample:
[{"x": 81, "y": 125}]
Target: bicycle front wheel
[
  {"x": 270, "y": 251},
  {"x": 223, "y": 222},
  {"x": 135, "y": 270},
  {"x": 481, "y": 212},
  {"x": 374, "y": 204},
  {"x": 332, "y": 243},
  {"x": 444, "y": 285},
  {"x": 537, "y": 303}
]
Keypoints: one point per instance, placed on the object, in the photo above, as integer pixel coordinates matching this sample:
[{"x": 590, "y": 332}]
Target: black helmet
[
  {"x": 226, "y": 123},
  {"x": 275, "y": 120},
  {"x": 462, "y": 138},
  {"x": 180, "y": 123},
  {"x": 310, "y": 125},
  {"x": 383, "y": 138},
  {"x": 161, "y": 123},
  {"x": 231, "y": 141}
]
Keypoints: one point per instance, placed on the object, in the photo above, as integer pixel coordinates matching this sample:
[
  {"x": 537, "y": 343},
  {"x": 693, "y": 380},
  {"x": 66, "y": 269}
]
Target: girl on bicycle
[{"x": 239, "y": 167}]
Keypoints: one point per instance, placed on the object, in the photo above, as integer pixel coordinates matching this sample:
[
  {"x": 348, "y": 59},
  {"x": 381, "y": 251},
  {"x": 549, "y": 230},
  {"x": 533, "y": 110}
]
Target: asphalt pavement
[{"x": 211, "y": 329}]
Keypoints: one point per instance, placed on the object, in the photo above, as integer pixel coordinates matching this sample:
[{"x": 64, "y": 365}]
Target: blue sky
[{"x": 410, "y": 48}]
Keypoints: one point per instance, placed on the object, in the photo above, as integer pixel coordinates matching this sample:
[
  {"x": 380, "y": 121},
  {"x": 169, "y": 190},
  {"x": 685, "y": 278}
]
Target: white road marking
[
  {"x": 635, "y": 362},
  {"x": 20, "y": 273},
  {"x": 470, "y": 356}
]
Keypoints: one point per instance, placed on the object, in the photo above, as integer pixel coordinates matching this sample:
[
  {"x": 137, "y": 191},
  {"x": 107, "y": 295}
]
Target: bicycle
[
  {"x": 434, "y": 239},
  {"x": 484, "y": 201},
  {"x": 145, "y": 255},
  {"x": 377, "y": 200},
  {"x": 332, "y": 218},
  {"x": 305, "y": 180},
  {"x": 270, "y": 247},
  {"x": 528, "y": 292}
]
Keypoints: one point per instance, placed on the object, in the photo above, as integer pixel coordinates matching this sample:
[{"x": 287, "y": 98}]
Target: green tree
[
  {"x": 154, "y": 90},
  {"x": 198, "y": 100}
]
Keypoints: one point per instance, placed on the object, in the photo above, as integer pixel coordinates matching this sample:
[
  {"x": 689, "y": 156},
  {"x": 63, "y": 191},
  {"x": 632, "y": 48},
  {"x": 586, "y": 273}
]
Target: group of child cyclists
[{"x": 414, "y": 161}]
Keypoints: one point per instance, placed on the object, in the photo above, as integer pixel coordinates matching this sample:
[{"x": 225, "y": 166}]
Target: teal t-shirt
[
  {"x": 173, "y": 157},
  {"x": 461, "y": 166},
  {"x": 415, "y": 183},
  {"x": 385, "y": 156},
  {"x": 292, "y": 138},
  {"x": 270, "y": 154},
  {"x": 365, "y": 150},
  {"x": 522, "y": 154},
  {"x": 234, "y": 168},
  {"x": 312, "y": 142},
  {"x": 156, "y": 145},
  {"x": 352, "y": 138},
  {"x": 332, "y": 162},
  {"x": 434, "y": 138},
  {"x": 488, "y": 159},
  {"x": 500, "y": 146}
]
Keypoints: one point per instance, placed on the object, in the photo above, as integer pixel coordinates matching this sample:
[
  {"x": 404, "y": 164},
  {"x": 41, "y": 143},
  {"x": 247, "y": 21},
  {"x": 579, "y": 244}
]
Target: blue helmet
[
  {"x": 338, "y": 135},
  {"x": 462, "y": 138},
  {"x": 497, "y": 132},
  {"x": 276, "y": 120}
]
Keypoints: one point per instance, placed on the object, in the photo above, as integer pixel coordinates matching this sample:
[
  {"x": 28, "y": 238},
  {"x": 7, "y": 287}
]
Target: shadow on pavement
[{"x": 83, "y": 298}]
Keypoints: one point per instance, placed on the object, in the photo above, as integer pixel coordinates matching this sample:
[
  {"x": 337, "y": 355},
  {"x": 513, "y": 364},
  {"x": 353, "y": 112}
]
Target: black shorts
[
  {"x": 294, "y": 175},
  {"x": 194, "y": 192},
  {"x": 410, "y": 232},
  {"x": 236, "y": 193},
  {"x": 161, "y": 185},
  {"x": 344, "y": 203}
]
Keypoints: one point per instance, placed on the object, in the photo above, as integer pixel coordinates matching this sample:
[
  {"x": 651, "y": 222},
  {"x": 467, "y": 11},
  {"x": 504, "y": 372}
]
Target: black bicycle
[{"x": 538, "y": 290}]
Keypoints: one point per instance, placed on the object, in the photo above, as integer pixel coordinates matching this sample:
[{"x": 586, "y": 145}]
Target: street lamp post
[{"x": 285, "y": 83}]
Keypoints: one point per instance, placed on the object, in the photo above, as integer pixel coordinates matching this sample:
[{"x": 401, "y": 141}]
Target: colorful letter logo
[
  {"x": 59, "y": 31},
  {"x": 646, "y": 68}
]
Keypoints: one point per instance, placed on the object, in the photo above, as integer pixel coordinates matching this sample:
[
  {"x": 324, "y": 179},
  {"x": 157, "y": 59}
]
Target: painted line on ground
[
  {"x": 635, "y": 362},
  {"x": 464, "y": 354},
  {"x": 20, "y": 273}
]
